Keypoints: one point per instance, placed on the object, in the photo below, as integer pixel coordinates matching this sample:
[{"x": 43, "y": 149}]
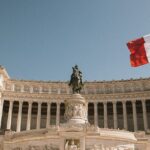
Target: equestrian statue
[{"x": 76, "y": 80}]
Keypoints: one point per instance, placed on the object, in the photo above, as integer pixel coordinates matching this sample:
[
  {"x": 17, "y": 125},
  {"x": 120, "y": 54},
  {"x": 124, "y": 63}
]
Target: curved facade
[{"x": 35, "y": 105}]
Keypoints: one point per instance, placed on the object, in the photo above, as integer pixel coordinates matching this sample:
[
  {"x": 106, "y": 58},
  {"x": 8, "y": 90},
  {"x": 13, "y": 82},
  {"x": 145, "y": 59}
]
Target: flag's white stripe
[
  {"x": 147, "y": 49},
  {"x": 147, "y": 46},
  {"x": 147, "y": 38}
]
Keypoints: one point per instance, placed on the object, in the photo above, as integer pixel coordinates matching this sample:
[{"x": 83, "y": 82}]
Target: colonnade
[
  {"x": 125, "y": 115},
  {"x": 29, "y": 114},
  {"x": 48, "y": 115}
]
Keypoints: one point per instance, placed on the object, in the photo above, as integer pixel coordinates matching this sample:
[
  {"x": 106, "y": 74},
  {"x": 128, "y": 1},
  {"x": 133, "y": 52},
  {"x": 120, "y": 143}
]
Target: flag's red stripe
[{"x": 138, "y": 54}]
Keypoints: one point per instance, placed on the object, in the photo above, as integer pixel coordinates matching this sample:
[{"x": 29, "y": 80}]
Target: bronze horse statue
[{"x": 76, "y": 80}]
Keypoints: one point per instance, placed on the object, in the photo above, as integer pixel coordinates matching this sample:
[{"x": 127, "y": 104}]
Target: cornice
[
  {"x": 37, "y": 83},
  {"x": 132, "y": 84},
  {"x": 42, "y": 82},
  {"x": 89, "y": 97},
  {"x": 141, "y": 78},
  {"x": 32, "y": 96}
]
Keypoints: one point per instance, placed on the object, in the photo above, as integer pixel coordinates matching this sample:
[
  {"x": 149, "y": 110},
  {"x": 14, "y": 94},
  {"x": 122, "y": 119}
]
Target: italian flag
[{"x": 139, "y": 51}]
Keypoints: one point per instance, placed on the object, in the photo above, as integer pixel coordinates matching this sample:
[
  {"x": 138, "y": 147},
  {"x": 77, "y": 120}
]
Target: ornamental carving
[
  {"x": 118, "y": 147},
  {"x": 72, "y": 144},
  {"x": 74, "y": 110},
  {"x": 147, "y": 85},
  {"x": 37, "y": 147},
  {"x": 92, "y": 128},
  {"x": 118, "y": 88},
  {"x": 50, "y": 147}
]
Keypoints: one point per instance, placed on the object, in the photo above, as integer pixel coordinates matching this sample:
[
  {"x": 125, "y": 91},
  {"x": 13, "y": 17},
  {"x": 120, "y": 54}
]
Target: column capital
[
  {"x": 39, "y": 102},
  {"x": 30, "y": 102},
  {"x": 58, "y": 103},
  {"x": 95, "y": 103},
  {"x": 133, "y": 101},
  {"x": 105, "y": 102},
  {"x": 143, "y": 100},
  {"x": 124, "y": 102},
  {"x": 11, "y": 101},
  {"x": 114, "y": 102},
  {"x": 20, "y": 101}
]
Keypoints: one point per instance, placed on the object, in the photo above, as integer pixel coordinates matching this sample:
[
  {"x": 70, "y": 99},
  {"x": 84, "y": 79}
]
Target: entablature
[{"x": 8, "y": 95}]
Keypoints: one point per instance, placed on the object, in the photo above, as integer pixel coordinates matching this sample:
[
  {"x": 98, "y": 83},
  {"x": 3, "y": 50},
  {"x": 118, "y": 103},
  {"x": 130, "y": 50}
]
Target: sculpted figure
[
  {"x": 72, "y": 146},
  {"x": 76, "y": 80}
]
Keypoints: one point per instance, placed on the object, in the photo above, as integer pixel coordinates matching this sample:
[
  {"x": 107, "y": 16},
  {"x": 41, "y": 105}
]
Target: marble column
[
  {"x": 144, "y": 115},
  {"x": 12, "y": 87},
  {"x": 115, "y": 115},
  {"x": 29, "y": 116},
  {"x": 58, "y": 114},
  {"x": 105, "y": 115},
  {"x": 1, "y": 111},
  {"x": 9, "y": 119},
  {"x": 38, "y": 116},
  {"x": 48, "y": 115},
  {"x": 134, "y": 115},
  {"x": 19, "y": 116},
  {"x": 95, "y": 114},
  {"x": 125, "y": 125}
]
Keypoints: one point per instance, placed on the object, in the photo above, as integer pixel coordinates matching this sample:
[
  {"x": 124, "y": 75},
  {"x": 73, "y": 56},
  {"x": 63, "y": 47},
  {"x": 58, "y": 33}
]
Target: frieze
[
  {"x": 107, "y": 147},
  {"x": 38, "y": 147},
  {"x": 74, "y": 110},
  {"x": 70, "y": 127},
  {"x": 79, "y": 127},
  {"x": 92, "y": 128},
  {"x": 62, "y": 97},
  {"x": 106, "y": 87}
]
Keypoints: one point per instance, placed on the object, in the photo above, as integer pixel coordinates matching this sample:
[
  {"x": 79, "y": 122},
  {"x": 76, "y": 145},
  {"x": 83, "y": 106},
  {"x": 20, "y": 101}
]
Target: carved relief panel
[{"x": 72, "y": 144}]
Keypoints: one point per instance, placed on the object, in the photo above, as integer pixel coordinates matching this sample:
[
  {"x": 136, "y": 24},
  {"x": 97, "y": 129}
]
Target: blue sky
[{"x": 43, "y": 39}]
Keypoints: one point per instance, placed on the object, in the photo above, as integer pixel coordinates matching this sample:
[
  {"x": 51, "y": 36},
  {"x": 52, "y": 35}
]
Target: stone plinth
[
  {"x": 59, "y": 138},
  {"x": 76, "y": 109}
]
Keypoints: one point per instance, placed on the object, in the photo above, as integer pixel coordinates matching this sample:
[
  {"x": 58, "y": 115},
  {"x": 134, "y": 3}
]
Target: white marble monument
[
  {"x": 22, "y": 117},
  {"x": 75, "y": 134}
]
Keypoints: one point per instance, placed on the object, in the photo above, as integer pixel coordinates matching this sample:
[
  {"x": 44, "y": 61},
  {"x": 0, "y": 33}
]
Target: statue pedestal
[{"x": 76, "y": 110}]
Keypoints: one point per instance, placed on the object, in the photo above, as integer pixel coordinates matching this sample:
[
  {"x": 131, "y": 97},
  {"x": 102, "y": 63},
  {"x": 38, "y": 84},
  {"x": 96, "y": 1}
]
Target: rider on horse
[{"x": 76, "y": 80}]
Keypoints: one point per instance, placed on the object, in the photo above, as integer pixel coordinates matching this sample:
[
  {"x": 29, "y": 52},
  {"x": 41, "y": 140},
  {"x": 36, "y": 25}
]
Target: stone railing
[{"x": 105, "y": 87}]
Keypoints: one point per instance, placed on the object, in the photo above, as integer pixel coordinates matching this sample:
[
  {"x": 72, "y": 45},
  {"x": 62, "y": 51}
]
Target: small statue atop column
[{"x": 76, "y": 80}]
